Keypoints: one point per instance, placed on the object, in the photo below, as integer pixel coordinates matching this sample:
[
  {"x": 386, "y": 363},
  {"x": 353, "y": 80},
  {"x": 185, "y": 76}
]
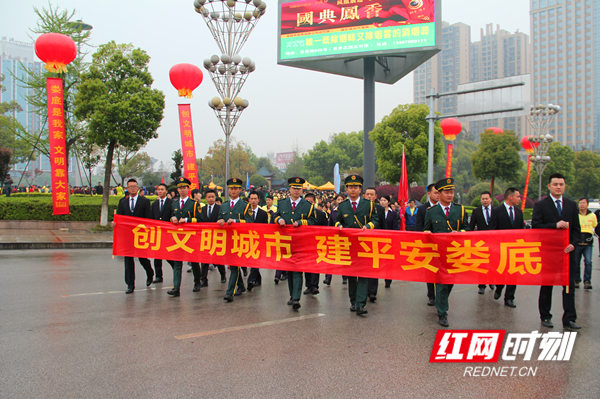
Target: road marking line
[
  {"x": 249, "y": 326},
  {"x": 111, "y": 292}
]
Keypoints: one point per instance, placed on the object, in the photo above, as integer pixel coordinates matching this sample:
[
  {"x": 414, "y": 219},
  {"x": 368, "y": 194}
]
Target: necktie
[
  {"x": 487, "y": 215},
  {"x": 160, "y": 205},
  {"x": 354, "y": 206},
  {"x": 209, "y": 211},
  {"x": 293, "y": 206},
  {"x": 232, "y": 204},
  {"x": 132, "y": 205},
  {"x": 511, "y": 214},
  {"x": 559, "y": 207},
  {"x": 254, "y": 216},
  {"x": 182, "y": 202},
  {"x": 447, "y": 210}
]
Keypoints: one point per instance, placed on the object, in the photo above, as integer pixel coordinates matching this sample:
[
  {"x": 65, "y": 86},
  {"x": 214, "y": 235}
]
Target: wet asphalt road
[{"x": 67, "y": 330}]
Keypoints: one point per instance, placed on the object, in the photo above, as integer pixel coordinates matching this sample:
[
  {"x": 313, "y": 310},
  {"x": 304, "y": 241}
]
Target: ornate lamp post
[
  {"x": 540, "y": 118},
  {"x": 230, "y": 23}
]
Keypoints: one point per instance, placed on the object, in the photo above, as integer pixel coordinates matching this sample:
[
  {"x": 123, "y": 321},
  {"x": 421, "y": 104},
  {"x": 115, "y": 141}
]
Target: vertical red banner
[
  {"x": 188, "y": 150},
  {"x": 449, "y": 161},
  {"x": 58, "y": 147}
]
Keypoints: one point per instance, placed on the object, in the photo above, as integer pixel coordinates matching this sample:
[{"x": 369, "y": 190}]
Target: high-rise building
[
  {"x": 447, "y": 69},
  {"x": 566, "y": 68}
]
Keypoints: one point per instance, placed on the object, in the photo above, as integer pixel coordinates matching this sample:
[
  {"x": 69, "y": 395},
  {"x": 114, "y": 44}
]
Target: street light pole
[{"x": 540, "y": 118}]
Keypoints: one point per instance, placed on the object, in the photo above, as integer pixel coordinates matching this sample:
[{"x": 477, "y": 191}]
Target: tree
[
  {"x": 116, "y": 100},
  {"x": 11, "y": 130},
  {"x": 239, "y": 161},
  {"x": 59, "y": 21},
  {"x": 343, "y": 148},
  {"x": 405, "y": 125},
  {"x": 5, "y": 155},
  {"x": 497, "y": 156},
  {"x": 258, "y": 181},
  {"x": 461, "y": 164},
  {"x": 135, "y": 166},
  {"x": 587, "y": 178},
  {"x": 177, "y": 159},
  {"x": 561, "y": 161},
  {"x": 296, "y": 167}
]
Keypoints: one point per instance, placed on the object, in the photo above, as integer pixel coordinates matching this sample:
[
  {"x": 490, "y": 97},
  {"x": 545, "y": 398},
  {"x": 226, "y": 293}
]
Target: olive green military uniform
[
  {"x": 237, "y": 213},
  {"x": 187, "y": 211},
  {"x": 437, "y": 222},
  {"x": 365, "y": 215},
  {"x": 304, "y": 214}
]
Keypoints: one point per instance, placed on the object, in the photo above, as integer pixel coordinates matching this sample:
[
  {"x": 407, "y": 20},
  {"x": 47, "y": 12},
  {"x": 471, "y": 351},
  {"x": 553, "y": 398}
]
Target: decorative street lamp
[
  {"x": 540, "y": 118},
  {"x": 230, "y": 22}
]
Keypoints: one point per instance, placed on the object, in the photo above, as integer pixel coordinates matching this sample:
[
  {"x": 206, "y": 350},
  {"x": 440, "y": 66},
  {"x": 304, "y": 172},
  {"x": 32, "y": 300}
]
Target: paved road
[{"x": 67, "y": 330}]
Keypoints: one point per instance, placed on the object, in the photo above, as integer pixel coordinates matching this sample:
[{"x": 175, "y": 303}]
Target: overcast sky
[{"x": 289, "y": 107}]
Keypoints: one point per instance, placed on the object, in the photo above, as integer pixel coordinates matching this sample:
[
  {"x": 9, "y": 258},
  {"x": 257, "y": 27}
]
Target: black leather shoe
[
  {"x": 353, "y": 308},
  {"x": 344, "y": 282},
  {"x": 360, "y": 310},
  {"x": 276, "y": 281},
  {"x": 431, "y": 302},
  {"x": 290, "y": 302},
  {"x": 497, "y": 294},
  {"x": 571, "y": 326},
  {"x": 481, "y": 290},
  {"x": 444, "y": 321},
  {"x": 173, "y": 292},
  {"x": 372, "y": 298},
  {"x": 510, "y": 303},
  {"x": 547, "y": 323},
  {"x": 196, "y": 288},
  {"x": 149, "y": 281},
  {"x": 129, "y": 290},
  {"x": 315, "y": 291},
  {"x": 158, "y": 280},
  {"x": 296, "y": 305},
  {"x": 327, "y": 282},
  {"x": 388, "y": 284},
  {"x": 307, "y": 291},
  {"x": 250, "y": 286},
  {"x": 228, "y": 298}
]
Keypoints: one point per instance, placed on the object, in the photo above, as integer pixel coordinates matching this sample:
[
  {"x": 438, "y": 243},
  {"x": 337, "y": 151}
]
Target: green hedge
[{"x": 39, "y": 207}]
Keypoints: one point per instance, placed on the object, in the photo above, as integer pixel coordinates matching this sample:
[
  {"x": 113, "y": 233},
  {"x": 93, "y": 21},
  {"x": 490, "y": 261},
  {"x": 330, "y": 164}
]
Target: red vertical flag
[
  {"x": 58, "y": 148},
  {"x": 188, "y": 150},
  {"x": 403, "y": 192}
]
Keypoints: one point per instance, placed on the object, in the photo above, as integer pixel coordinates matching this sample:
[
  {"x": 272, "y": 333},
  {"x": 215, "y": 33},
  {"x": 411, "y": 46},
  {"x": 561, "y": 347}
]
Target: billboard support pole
[
  {"x": 369, "y": 122},
  {"x": 431, "y": 118}
]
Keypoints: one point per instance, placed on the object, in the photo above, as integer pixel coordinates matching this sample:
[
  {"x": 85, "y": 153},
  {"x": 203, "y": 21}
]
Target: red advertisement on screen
[{"x": 312, "y": 16}]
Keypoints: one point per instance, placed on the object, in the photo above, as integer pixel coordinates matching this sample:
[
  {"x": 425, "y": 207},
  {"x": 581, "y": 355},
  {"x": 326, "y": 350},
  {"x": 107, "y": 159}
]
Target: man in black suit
[
  {"x": 371, "y": 195},
  {"x": 558, "y": 212},
  {"x": 311, "y": 280},
  {"x": 504, "y": 217},
  {"x": 210, "y": 213},
  {"x": 255, "y": 215},
  {"x": 162, "y": 209},
  {"x": 433, "y": 196},
  {"x": 480, "y": 220},
  {"x": 135, "y": 205}
]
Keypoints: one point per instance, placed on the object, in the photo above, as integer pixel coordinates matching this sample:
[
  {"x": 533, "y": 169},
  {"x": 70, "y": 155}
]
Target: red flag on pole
[
  {"x": 162, "y": 181},
  {"x": 403, "y": 192}
]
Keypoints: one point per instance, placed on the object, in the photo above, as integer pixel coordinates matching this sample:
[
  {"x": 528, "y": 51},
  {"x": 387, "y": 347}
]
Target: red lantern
[
  {"x": 450, "y": 128},
  {"x": 526, "y": 144},
  {"x": 185, "y": 78},
  {"x": 495, "y": 130},
  {"x": 56, "y": 50}
]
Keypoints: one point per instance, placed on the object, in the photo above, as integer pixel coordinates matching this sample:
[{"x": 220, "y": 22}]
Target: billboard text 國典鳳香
[{"x": 317, "y": 28}]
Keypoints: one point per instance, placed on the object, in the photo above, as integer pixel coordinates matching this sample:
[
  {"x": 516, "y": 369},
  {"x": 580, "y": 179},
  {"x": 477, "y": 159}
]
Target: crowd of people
[{"x": 439, "y": 214}]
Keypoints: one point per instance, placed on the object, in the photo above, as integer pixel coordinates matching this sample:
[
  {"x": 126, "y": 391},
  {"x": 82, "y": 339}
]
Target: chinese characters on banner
[
  {"x": 58, "y": 148},
  {"x": 188, "y": 150},
  {"x": 521, "y": 257}
]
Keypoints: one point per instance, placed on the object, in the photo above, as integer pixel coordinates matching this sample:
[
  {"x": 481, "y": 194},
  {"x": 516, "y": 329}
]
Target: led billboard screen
[{"x": 312, "y": 29}]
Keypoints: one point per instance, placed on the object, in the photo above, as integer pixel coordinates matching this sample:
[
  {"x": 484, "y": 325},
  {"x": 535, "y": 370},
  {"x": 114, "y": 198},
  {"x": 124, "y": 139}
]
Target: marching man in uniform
[
  {"x": 445, "y": 217},
  {"x": 295, "y": 211},
  {"x": 356, "y": 212}
]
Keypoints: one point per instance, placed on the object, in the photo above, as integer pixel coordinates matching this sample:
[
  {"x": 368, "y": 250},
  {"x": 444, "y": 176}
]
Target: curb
[{"x": 55, "y": 245}]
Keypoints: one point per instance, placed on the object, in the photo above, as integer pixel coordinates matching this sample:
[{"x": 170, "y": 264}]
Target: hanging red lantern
[
  {"x": 495, "y": 130},
  {"x": 56, "y": 50},
  {"x": 185, "y": 78},
  {"x": 527, "y": 145},
  {"x": 450, "y": 128}
]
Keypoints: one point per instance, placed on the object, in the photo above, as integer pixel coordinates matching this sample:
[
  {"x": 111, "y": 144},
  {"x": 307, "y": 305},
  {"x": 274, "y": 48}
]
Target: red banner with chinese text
[
  {"x": 188, "y": 150},
  {"x": 521, "y": 257},
  {"x": 58, "y": 148}
]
